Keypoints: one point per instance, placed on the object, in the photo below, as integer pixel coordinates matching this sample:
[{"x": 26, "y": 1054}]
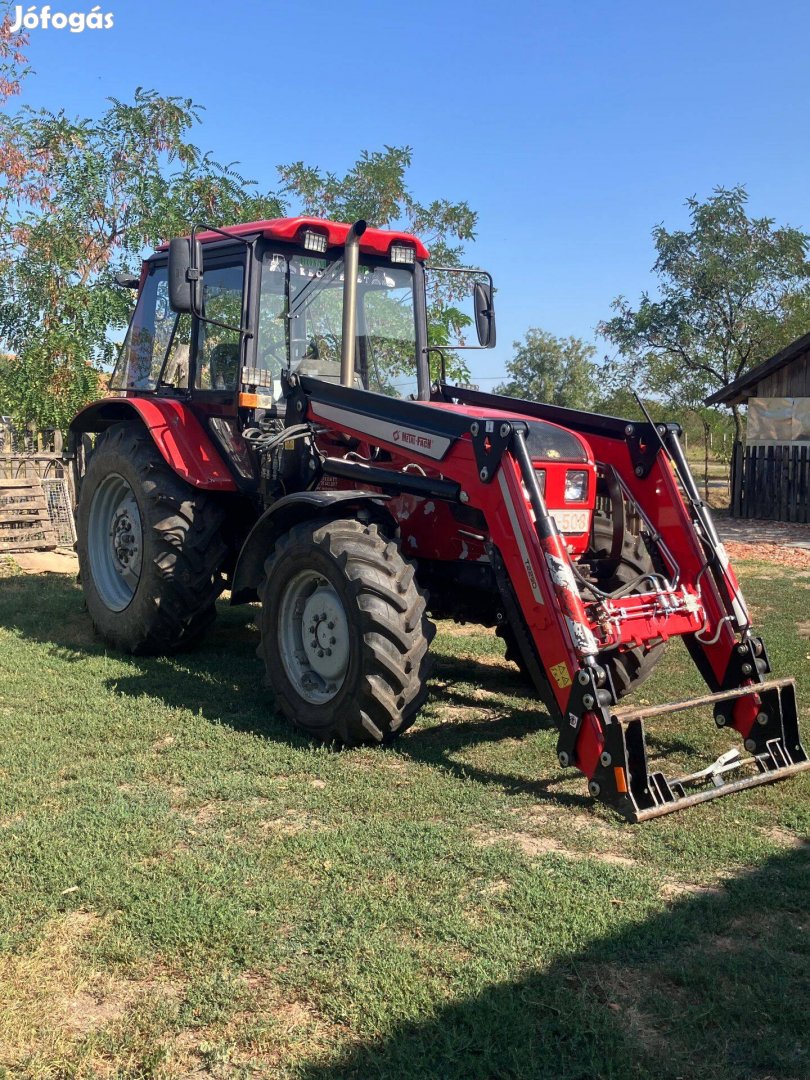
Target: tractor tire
[
  {"x": 150, "y": 547},
  {"x": 344, "y": 633},
  {"x": 631, "y": 668}
]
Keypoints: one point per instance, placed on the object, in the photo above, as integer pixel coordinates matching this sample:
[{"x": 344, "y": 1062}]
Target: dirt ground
[
  {"x": 765, "y": 541},
  {"x": 46, "y": 562}
]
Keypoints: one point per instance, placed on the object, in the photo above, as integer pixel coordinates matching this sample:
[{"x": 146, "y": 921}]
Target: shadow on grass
[
  {"x": 222, "y": 680},
  {"x": 715, "y": 986}
]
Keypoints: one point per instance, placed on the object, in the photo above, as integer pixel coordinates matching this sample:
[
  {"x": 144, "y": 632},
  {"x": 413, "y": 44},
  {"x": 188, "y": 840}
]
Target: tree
[
  {"x": 108, "y": 188},
  {"x": 732, "y": 291},
  {"x": 553, "y": 369},
  {"x": 375, "y": 188}
]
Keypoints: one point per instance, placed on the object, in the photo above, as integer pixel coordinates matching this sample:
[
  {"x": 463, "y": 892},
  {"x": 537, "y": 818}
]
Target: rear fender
[
  {"x": 178, "y": 434},
  {"x": 290, "y": 511}
]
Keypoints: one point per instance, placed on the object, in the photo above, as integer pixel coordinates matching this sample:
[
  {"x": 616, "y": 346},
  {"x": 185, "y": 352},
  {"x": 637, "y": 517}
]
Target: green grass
[{"x": 190, "y": 889}]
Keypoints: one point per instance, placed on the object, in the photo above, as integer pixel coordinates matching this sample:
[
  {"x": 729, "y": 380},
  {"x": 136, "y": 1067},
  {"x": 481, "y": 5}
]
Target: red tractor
[{"x": 276, "y": 432}]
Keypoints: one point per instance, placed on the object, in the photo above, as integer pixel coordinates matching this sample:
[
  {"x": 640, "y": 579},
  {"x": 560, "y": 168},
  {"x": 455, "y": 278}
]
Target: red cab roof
[{"x": 373, "y": 241}]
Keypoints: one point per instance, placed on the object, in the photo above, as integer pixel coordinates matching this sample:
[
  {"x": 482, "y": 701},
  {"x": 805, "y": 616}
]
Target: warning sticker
[{"x": 561, "y": 675}]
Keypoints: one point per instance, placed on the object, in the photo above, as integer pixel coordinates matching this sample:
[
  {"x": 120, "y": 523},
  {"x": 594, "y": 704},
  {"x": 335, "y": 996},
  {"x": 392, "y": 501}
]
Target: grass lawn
[{"x": 190, "y": 889}]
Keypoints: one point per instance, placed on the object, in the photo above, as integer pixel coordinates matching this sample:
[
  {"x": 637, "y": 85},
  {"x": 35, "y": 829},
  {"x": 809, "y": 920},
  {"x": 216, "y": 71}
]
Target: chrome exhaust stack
[{"x": 351, "y": 263}]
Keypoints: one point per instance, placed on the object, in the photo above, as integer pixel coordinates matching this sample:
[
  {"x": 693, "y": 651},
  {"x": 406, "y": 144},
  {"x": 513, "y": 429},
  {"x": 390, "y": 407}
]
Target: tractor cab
[{"x": 221, "y": 317}]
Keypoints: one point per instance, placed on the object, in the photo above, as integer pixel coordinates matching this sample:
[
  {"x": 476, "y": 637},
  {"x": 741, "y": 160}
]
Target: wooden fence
[
  {"x": 29, "y": 453},
  {"x": 35, "y": 456},
  {"x": 771, "y": 482}
]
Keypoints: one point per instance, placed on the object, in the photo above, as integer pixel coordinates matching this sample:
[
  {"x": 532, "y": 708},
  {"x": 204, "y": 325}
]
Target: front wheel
[
  {"x": 149, "y": 545},
  {"x": 344, "y": 634}
]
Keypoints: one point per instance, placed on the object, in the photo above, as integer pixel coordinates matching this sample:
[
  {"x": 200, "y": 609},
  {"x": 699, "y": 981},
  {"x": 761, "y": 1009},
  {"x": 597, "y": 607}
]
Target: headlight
[
  {"x": 541, "y": 479},
  {"x": 576, "y": 485}
]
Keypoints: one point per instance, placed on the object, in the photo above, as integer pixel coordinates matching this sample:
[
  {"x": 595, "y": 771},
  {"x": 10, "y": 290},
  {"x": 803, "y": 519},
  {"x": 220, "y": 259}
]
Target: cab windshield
[{"x": 301, "y": 318}]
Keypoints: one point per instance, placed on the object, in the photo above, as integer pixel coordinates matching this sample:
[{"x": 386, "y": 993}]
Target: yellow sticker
[
  {"x": 561, "y": 675},
  {"x": 552, "y": 453}
]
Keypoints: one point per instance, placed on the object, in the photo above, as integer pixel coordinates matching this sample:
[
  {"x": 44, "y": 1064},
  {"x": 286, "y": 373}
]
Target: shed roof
[{"x": 738, "y": 392}]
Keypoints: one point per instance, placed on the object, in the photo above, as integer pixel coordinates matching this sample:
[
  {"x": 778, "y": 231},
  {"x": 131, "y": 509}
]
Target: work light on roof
[
  {"x": 402, "y": 253},
  {"x": 314, "y": 241}
]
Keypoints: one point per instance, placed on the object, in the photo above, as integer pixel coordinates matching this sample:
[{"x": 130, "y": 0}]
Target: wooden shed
[{"x": 770, "y": 475}]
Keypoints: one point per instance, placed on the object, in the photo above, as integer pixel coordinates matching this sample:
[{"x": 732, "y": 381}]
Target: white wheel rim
[
  {"x": 313, "y": 637},
  {"x": 115, "y": 542}
]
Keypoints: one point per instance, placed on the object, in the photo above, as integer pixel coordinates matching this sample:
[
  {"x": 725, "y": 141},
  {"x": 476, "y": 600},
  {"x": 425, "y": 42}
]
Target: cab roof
[{"x": 373, "y": 241}]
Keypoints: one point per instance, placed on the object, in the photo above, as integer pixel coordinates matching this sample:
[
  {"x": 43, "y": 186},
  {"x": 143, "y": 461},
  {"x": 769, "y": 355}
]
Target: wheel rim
[
  {"x": 115, "y": 542},
  {"x": 313, "y": 637}
]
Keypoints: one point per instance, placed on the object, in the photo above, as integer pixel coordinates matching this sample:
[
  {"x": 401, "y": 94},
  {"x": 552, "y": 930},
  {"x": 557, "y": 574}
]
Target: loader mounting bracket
[
  {"x": 490, "y": 440},
  {"x": 748, "y": 660},
  {"x": 593, "y": 691},
  {"x": 644, "y": 442}
]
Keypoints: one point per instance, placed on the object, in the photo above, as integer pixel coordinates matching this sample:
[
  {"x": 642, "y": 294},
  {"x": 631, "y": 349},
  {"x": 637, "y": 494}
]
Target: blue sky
[{"x": 572, "y": 128}]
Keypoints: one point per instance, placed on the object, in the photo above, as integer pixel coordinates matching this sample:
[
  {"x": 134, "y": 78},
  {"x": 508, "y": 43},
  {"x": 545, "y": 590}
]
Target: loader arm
[{"x": 485, "y": 465}]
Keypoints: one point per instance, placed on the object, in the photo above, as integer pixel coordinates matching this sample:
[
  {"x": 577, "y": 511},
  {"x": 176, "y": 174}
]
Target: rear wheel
[
  {"x": 344, "y": 632},
  {"x": 149, "y": 546}
]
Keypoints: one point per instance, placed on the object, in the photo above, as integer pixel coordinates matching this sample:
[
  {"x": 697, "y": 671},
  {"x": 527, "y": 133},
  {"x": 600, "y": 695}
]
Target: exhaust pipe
[{"x": 351, "y": 261}]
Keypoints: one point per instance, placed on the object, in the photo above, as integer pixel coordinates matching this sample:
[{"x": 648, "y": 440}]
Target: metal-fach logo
[{"x": 43, "y": 18}]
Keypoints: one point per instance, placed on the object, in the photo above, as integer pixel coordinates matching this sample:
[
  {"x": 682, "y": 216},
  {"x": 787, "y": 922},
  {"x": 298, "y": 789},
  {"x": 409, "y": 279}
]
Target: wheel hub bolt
[
  {"x": 330, "y": 626},
  {"x": 320, "y": 652},
  {"x": 332, "y": 641}
]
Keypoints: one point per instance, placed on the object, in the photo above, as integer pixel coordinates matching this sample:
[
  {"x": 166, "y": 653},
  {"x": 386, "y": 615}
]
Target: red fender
[{"x": 178, "y": 434}]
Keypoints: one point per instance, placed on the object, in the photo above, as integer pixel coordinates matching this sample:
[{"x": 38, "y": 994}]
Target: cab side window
[
  {"x": 148, "y": 337},
  {"x": 218, "y": 348}
]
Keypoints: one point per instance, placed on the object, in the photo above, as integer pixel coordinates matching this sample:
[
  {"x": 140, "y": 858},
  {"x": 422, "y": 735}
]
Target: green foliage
[
  {"x": 733, "y": 290},
  {"x": 83, "y": 198},
  {"x": 375, "y": 188},
  {"x": 106, "y": 188},
  {"x": 553, "y": 369},
  {"x": 187, "y": 881}
]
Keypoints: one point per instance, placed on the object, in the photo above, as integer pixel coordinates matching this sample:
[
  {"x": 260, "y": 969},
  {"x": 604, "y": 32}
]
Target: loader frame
[{"x": 485, "y": 465}]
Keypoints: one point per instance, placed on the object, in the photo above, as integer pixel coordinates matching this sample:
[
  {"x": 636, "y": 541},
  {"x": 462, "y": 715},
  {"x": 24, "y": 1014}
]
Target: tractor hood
[{"x": 546, "y": 441}]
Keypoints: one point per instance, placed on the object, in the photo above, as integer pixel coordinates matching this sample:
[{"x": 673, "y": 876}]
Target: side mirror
[
  {"x": 185, "y": 275},
  {"x": 484, "y": 314}
]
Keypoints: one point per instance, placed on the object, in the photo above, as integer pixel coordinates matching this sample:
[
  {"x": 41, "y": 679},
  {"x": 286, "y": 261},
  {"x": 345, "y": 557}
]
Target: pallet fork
[{"x": 623, "y": 778}]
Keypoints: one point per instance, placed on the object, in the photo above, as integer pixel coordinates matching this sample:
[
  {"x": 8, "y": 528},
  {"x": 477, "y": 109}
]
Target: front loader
[{"x": 277, "y": 431}]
